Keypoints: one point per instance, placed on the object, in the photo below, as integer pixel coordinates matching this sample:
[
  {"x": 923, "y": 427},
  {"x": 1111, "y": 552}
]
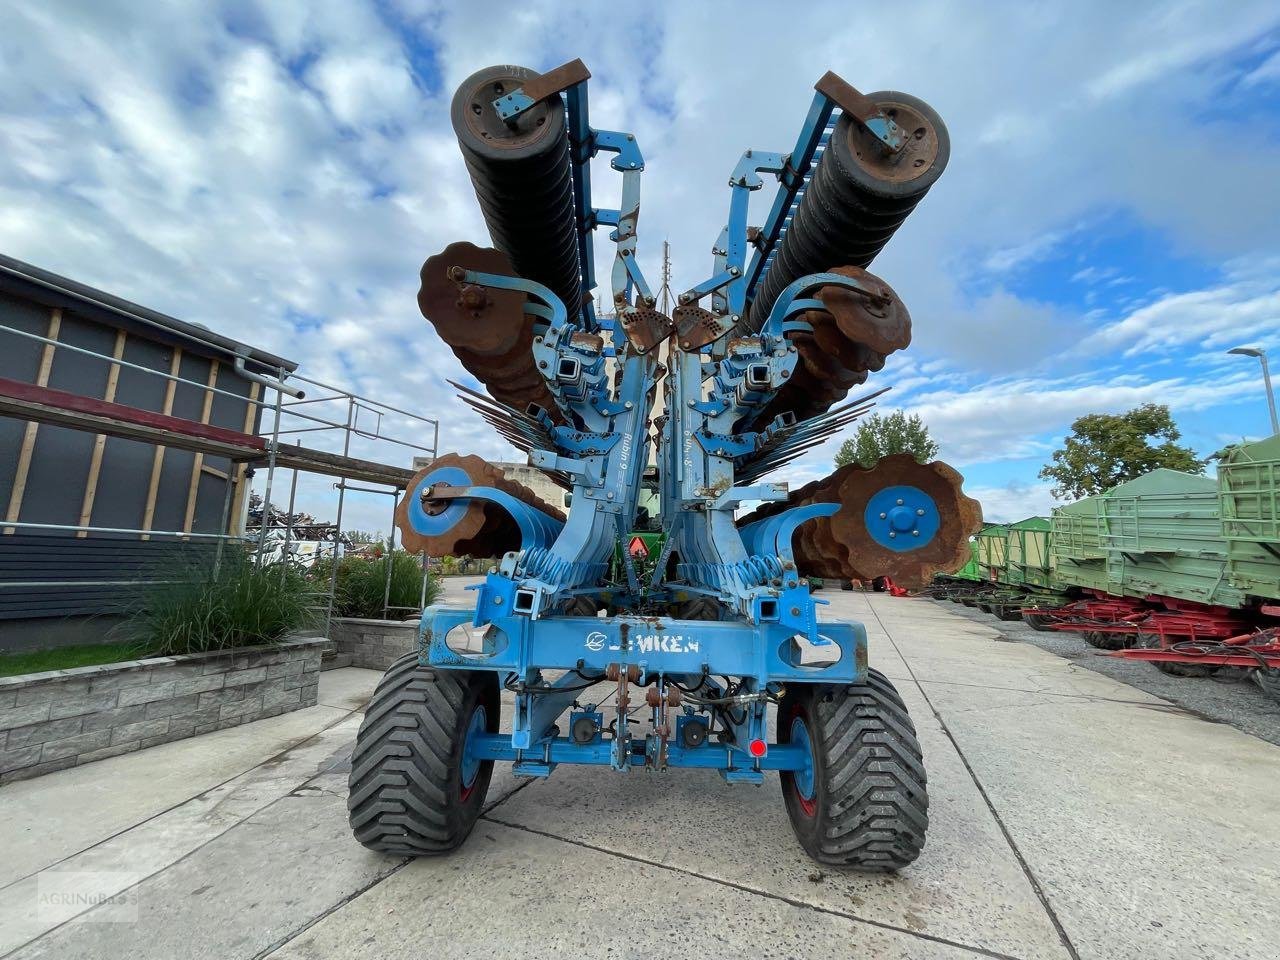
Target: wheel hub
[
  {"x": 471, "y": 763},
  {"x": 804, "y": 777}
]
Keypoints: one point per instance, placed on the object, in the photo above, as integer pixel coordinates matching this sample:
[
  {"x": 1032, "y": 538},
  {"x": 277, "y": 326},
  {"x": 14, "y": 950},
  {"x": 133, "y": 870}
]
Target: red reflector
[
  {"x": 758, "y": 748},
  {"x": 637, "y": 548}
]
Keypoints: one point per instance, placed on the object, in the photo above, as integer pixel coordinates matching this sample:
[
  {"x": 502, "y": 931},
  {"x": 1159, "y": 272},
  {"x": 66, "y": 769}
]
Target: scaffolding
[{"x": 340, "y": 416}]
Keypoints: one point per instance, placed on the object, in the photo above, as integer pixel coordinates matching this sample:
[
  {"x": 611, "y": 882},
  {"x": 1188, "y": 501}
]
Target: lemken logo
[{"x": 646, "y": 643}]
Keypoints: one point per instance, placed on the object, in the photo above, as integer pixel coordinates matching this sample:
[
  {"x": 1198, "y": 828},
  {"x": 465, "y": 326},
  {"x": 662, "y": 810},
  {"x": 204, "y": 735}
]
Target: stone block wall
[
  {"x": 59, "y": 719},
  {"x": 373, "y": 644}
]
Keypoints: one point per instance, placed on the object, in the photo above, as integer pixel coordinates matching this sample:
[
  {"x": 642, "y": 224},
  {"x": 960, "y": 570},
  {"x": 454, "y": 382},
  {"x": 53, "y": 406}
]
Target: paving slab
[
  {"x": 238, "y": 895},
  {"x": 347, "y": 688},
  {"x": 967, "y": 888},
  {"x": 126, "y": 861},
  {"x": 1072, "y": 816},
  {"x": 1149, "y": 829},
  {"x": 95, "y": 801},
  {"x": 510, "y": 893}
]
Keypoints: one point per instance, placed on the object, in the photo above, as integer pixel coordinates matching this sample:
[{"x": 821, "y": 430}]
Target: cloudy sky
[{"x": 1108, "y": 227}]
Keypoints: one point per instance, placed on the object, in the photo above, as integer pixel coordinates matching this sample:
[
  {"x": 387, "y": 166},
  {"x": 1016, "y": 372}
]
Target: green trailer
[
  {"x": 1163, "y": 537},
  {"x": 1249, "y": 497},
  {"x": 1029, "y": 560},
  {"x": 1079, "y": 556}
]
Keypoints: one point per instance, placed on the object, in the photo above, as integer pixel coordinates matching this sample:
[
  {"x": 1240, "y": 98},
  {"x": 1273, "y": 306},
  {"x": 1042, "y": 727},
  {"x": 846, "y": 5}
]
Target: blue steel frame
[{"x": 698, "y": 671}]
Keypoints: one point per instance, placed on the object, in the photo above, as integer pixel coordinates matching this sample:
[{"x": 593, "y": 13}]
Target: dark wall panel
[
  {"x": 19, "y": 360},
  {"x": 60, "y": 462},
  {"x": 126, "y": 464}
]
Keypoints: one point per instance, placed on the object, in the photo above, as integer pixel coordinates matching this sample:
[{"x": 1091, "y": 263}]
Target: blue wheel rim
[
  {"x": 902, "y": 518},
  {"x": 803, "y": 777},
  {"x": 471, "y": 763}
]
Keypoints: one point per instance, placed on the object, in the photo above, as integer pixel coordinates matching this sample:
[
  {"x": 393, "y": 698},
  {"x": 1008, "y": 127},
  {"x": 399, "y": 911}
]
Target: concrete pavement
[{"x": 1072, "y": 816}]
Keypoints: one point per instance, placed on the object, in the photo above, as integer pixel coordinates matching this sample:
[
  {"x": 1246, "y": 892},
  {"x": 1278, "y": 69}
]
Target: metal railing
[{"x": 337, "y": 414}]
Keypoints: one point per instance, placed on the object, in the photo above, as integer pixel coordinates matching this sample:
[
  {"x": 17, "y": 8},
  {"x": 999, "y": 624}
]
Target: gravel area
[{"x": 1237, "y": 702}]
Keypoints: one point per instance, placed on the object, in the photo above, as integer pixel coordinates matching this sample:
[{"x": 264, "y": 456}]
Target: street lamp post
[{"x": 1266, "y": 379}]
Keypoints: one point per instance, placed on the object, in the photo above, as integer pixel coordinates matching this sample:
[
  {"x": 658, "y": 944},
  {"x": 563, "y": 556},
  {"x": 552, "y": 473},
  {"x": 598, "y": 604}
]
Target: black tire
[
  {"x": 984, "y": 607},
  {"x": 1151, "y": 641},
  {"x": 1268, "y": 679},
  {"x": 846, "y": 584},
  {"x": 1009, "y": 613},
  {"x": 1105, "y": 640},
  {"x": 868, "y": 808},
  {"x": 1037, "y": 622},
  {"x": 407, "y": 795}
]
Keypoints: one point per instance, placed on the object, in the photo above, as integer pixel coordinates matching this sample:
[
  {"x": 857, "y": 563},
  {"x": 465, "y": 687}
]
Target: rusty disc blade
[
  {"x": 481, "y": 320},
  {"x": 449, "y": 527},
  {"x": 959, "y": 517},
  {"x": 880, "y": 321}
]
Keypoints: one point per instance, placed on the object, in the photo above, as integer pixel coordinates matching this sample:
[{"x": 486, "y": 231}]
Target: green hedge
[
  {"x": 235, "y": 604},
  {"x": 362, "y": 581}
]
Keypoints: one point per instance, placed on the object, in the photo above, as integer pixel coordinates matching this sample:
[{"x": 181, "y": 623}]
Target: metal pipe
[
  {"x": 1271, "y": 397},
  {"x": 1261, "y": 354},
  {"x": 222, "y": 523},
  {"x": 278, "y": 385},
  {"x": 391, "y": 547},
  {"x": 271, "y": 473},
  {"x": 80, "y": 583},
  {"x": 155, "y": 533},
  {"x": 201, "y": 385},
  {"x": 337, "y": 527}
]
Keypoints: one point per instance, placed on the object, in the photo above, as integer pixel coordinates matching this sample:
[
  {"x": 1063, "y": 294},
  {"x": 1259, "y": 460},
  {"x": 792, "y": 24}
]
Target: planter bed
[
  {"x": 372, "y": 644},
  {"x": 62, "y": 718}
]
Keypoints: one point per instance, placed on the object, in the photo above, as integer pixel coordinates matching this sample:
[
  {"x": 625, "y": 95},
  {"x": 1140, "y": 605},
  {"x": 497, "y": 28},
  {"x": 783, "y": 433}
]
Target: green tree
[
  {"x": 879, "y": 436},
  {"x": 1107, "y": 449}
]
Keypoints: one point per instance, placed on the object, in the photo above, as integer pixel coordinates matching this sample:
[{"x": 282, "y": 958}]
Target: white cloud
[
  {"x": 1220, "y": 317},
  {"x": 293, "y": 166},
  {"x": 1014, "y": 501}
]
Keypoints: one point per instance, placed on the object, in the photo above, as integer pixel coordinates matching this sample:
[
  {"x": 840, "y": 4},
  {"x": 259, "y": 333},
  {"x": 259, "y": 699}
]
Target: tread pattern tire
[
  {"x": 1106, "y": 640},
  {"x": 870, "y": 809},
  {"x": 1268, "y": 679},
  {"x": 1152, "y": 641},
  {"x": 406, "y": 793}
]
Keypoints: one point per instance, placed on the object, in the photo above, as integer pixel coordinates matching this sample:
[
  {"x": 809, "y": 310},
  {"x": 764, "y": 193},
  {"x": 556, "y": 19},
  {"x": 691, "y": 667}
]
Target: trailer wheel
[
  {"x": 1105, "y": 640},
  {"x": 1037, "y": 621},
  {"x": 413, "y": 791},
  {"x": 1009, "y": 613},
  {"x": 863, "y": 803},
  {"x": 1151, "y": 641},
  {"x": 1268, "y": 678}
]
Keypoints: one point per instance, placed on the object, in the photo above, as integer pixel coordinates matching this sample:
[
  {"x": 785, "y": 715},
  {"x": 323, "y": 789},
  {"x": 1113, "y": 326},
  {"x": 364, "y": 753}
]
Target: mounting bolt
[
  {"x": 892, "y": 535},
  {"x": 899, "y": 503},
  {"x": 627, "y": 405},
  {"x": 915, "y": 533},
  {"x": 735, "y": 318},
  {"x": 920, "y": 512},
  {"x": 884, "y": 516},
  {"x": 497, "y": 601},
  {"x": 610, "y": 494}
]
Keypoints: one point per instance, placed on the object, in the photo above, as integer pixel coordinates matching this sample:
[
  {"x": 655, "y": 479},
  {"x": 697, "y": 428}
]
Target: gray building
[{"x": 86, "y": 514}]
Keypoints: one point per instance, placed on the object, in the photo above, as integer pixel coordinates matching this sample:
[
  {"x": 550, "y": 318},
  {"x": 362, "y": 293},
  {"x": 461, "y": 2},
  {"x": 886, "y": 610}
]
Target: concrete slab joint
[{"x": 58, "y": 719}]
